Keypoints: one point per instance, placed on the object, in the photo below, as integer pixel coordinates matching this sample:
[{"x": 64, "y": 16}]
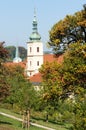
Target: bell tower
[{"x": 34, "y": 50}]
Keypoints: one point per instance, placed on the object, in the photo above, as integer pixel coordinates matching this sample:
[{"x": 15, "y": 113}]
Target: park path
[{"x": 34, "y": 124}]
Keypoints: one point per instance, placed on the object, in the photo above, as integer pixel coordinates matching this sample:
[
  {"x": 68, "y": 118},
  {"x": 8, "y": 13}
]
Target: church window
[
  {"x": 37, "y": 49},
  {"x": 37, "y": 63},
  {"x": 30, "y": 49},
  {"x": 30, "y": 63}
]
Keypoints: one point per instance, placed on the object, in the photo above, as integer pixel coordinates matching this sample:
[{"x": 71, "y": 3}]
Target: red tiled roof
[
  {"x": 22, "y": 64},
  {"x": 37, "y": 78},
  {"x": 52, "y": 58}
]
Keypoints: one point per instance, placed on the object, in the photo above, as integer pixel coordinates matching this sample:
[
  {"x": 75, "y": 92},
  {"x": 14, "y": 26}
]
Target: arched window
[
  {"x": 37, "y": 63},
  {"x": 30, "y": 63},
  {"x": 37, "y": 49},
  {"x": 30, "y": 73},
  {"x": 30, "y": 49}
]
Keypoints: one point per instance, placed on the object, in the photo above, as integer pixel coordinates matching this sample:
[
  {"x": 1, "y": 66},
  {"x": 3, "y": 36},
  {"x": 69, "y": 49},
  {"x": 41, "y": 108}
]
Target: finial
[
  {"x": 34, "y": 14},
  {"x": 34, "y": 11},
  {"x": 35, "y": 36}
]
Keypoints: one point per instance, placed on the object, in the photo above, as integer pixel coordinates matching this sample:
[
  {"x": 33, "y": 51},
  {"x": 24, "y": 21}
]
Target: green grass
[
  {"x": 16, "y": 125},
  {"x": 11, "y": 124},
  {"x": 10, "y": 112}
]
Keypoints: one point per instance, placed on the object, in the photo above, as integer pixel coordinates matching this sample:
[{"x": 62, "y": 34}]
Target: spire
[
  {"x": 17, "y": 53},
  {"x": 34, "y": 22},
  {"x": 17, "y": 59},
  {"x": 35, "y": 35}
]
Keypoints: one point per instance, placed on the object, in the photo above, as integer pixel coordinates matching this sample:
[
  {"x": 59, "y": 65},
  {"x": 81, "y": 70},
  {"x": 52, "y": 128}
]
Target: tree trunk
[
  {"x": 47, "y": 118},
  {"x": 26, "y": 119}
]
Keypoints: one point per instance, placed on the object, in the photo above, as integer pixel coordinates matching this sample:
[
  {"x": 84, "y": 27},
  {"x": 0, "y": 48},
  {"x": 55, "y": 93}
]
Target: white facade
[
  {"x": 34, "y": 57},
  {"x": 17, "y": 60}
]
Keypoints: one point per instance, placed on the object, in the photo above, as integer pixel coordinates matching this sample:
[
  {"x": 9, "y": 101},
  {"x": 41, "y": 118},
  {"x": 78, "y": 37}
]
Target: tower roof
[{"x": 35, "y": 36}]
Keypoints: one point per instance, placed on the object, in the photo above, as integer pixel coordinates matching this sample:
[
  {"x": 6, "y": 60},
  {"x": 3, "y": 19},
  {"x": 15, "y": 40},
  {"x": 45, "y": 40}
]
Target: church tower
[
  {"x": 17, "y": 59},
  {"x": 34, "y": 50}
]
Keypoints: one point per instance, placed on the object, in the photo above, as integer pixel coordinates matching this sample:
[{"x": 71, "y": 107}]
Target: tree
[
  {"x": 73, "y": 70},
  {"x": 71, "y": 29},
  {"x": 73, "y": 73},
  {"x": 3, "y": 53},
  {"x": 4, "y": 88},
  {"x": 12, "y": 51},
  {"x": 22, "y": 93},
  {"x": 51, "y": 91},
  {"x": 15, "y": 80},
  {"x": 67, "y": 81},
  {"x": 23, "y": 52}
]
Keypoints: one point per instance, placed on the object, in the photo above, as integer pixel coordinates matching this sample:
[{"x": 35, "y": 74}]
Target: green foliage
[
  {"x": 22, "y": 52},
  {"x": 22, "y": 93},
  {"x": 11, "y": 124},
  {"x": 3, "y": 53},
  {"x": 74, "y": 69},
  {"x": 51, "y": 89},
  {"x": 67, "y": 82},
  {"x": 73, "y": 73},
  {"x": 79, "y": 110},
  {"x": 71, "y": 29},
  {"x": 12, "y": 52},
  {"x": 4, "y": 88}
]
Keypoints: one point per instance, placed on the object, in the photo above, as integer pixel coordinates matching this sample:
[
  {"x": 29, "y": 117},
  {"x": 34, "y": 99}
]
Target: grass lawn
[{"x": 11, "y": 124}]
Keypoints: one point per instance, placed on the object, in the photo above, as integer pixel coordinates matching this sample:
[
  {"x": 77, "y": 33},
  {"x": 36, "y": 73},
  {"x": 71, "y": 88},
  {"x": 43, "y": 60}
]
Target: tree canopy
[
  {"x": 21, "y": 90},
  {"x": 71, "y": 29},
  {"x": 67, "y": 81}
]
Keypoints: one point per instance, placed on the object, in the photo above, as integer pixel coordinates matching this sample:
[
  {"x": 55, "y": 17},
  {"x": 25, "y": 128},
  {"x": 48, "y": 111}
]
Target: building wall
[{"x": 34, "y": 57}]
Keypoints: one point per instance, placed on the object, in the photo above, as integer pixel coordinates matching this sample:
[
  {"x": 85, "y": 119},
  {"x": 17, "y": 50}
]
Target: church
[
  {"x": 34, "y": 51},
  {"x": 35, "y": 56}
]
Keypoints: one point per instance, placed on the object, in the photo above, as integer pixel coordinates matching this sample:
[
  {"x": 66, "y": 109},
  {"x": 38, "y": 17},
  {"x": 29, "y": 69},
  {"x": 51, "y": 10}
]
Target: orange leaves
[
  {"x": 60, "y": 31},
  {"x": 50, "y": 72}
]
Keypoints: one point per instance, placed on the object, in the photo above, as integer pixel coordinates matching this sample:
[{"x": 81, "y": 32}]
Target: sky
[{"x": 16, "y": 18}]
